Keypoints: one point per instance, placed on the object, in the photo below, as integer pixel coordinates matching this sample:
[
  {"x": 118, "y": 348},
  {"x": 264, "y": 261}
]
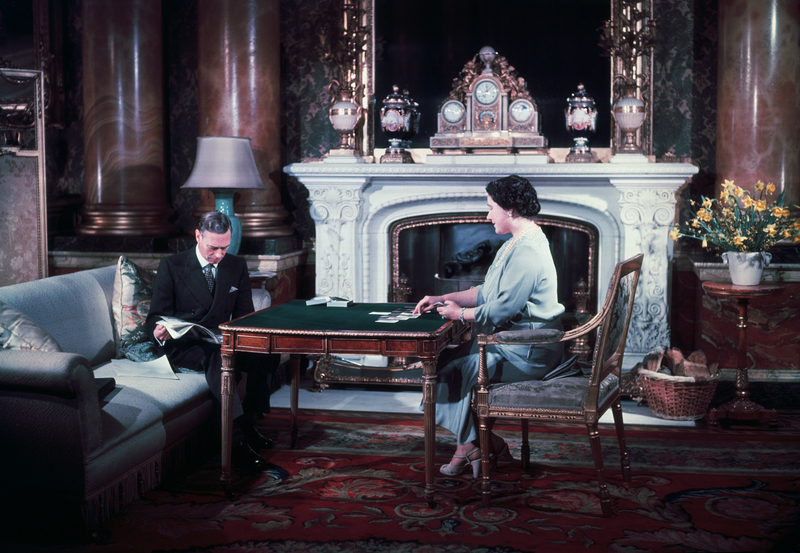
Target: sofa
[{"x": 67, "y": 451}]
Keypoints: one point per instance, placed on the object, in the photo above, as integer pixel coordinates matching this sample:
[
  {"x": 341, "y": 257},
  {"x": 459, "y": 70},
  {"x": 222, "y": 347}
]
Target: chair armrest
[
  {"x": 54, "y": 373},
  {"x": 535, "y": 336}
]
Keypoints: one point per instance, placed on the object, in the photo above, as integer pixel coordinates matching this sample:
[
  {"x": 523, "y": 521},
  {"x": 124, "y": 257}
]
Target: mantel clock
[{"x": 489, "y": 110}]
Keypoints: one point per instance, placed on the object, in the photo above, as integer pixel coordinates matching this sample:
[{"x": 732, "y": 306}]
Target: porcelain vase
[{"x": 746, "y": 267}]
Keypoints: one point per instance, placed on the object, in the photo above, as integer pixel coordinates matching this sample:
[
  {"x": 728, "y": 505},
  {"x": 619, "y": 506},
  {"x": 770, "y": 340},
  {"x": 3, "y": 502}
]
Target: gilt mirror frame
[
  {"x": 24, "y": 193},
  {"x": 362, "y": 70}
]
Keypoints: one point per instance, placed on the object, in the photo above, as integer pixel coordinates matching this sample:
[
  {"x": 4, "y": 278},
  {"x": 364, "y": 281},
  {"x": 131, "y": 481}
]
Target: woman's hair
[
  {"x": 214, "y": 221},
  {"x": 517, "y": 193}
]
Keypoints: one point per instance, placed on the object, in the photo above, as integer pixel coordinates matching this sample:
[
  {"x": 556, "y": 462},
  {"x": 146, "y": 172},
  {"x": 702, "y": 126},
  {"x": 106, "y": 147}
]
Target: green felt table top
[{"x": 361, "y": 317}]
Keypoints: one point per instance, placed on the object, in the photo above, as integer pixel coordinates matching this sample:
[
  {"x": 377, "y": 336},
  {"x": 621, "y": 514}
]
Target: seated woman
[{"x": 520, "y": 292}]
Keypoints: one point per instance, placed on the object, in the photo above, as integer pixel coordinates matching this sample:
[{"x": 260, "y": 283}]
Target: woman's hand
[
  {"x": 428, "y": 303},
  {"x": 450, "y": 310}
]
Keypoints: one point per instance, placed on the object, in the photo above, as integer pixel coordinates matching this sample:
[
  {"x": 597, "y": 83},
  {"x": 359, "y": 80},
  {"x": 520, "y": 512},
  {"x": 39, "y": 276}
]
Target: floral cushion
[
  {"x": 133, "y": 289},
  {"x": 17, "y": 331}
]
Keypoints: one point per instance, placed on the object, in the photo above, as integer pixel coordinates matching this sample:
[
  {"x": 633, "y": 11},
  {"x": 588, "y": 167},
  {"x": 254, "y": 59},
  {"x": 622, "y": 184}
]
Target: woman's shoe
[{"x": 454, "y": 470}]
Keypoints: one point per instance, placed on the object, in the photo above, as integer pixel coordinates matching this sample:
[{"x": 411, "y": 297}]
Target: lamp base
[{"x": 223, "y": 202}]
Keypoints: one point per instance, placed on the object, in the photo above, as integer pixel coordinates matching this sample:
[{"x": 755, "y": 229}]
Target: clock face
[
  {"x": 486, "y": 92},
  {"x": 521, "y": 111},
  {"x": 453, "y": 111}
]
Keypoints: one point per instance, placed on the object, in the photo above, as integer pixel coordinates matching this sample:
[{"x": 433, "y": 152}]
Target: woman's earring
[{"x": 510, "y": 214}]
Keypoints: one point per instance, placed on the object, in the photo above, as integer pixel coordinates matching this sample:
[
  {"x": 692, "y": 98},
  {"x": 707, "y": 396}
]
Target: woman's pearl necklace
[{"x": 513, "y": 242}]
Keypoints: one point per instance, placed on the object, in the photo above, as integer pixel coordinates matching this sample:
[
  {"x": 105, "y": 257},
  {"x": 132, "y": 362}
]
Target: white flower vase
[{"x": 746, "y": 267}]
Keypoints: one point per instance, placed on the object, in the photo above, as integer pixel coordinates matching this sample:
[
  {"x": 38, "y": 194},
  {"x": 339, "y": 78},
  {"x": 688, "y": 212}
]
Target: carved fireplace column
[
  {"x": 336, "y": 210},
  {"x": 647, "y": 213},
  {"x": 758, "y": 135},
  {"x": 239, "y": 95},
  {"x": 123, "y": 120}
]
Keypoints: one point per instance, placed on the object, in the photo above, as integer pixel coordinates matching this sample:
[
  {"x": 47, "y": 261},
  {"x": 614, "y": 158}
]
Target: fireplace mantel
[{"x": 631, "y": 204}]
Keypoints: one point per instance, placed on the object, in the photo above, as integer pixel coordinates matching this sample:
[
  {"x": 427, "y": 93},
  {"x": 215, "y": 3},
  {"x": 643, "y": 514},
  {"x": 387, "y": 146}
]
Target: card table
[{"x": 297, "y": 329}]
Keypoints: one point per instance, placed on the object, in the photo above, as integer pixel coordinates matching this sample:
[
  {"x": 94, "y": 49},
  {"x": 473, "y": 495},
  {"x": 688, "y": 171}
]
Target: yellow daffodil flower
[
  {"x": 674, "y": 233},
  {"x": 761, "y": 205},
  {"x": 771, "y": 230},
  {"x": 704, "y": 215},
  {"x": 759, "y": 186},
  {"x": 749, "y": 202},
  {"x": 770, "y": 188}
]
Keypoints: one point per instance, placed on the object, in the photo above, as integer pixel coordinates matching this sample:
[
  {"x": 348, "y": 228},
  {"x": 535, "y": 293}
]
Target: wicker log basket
[{"x": 678, "y": 388}]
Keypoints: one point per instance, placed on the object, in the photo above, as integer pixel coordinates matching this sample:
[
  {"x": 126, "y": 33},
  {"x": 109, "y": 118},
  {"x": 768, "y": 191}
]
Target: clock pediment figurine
[{"x": 489, "y": 110}]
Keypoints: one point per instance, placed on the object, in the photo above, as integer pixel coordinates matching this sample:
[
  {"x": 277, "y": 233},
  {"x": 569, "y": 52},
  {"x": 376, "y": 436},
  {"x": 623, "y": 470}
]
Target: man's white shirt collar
[{"x": 203, "y": 261}]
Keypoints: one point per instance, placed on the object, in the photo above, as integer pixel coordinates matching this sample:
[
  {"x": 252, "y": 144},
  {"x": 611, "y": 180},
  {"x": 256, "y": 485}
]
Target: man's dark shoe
[
  {"x": 256, "y": 441},
  {"x": 275, "y": 472},
  {"x": 244, "y": 458}
]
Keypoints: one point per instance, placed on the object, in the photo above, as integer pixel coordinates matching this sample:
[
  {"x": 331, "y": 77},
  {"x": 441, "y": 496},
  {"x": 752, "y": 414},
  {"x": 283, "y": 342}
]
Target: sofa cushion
[
  {"x": 74, "y": 308},
  {"x": 18, "y": 331},
  {"x": 142, "y": 417},
  {"x": 133, "y": 289}
]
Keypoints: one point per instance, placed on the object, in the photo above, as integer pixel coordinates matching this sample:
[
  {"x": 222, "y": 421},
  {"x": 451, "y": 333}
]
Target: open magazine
[{"x": 178, "y": 327}]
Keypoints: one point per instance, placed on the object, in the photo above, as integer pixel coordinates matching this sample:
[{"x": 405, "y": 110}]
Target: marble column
[
  {"x": 123, "y": 104},
  {"x": 239, "y": 95},
  {"x": 758, "y": 136}
]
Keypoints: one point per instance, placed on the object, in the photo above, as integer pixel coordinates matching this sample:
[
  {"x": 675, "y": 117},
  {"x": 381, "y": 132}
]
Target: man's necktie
[{"x": 209, "y": 273}]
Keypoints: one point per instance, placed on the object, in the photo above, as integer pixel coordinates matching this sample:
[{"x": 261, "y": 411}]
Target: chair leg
[
  {"x": 525, "y": 456},
  {"x": 625, "y": 460},
  {"x": 485, "y": 442},
  {"x": 597, "y": 455}
]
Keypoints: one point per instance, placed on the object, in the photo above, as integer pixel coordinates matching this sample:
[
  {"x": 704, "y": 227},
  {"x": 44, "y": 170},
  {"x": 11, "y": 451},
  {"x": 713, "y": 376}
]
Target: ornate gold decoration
[
  {"x": 348, "y": 47},
  {"x": 628, "y": 38},
  {"x": 513, "y": 83},
  {"x": 485, "y": 90}
]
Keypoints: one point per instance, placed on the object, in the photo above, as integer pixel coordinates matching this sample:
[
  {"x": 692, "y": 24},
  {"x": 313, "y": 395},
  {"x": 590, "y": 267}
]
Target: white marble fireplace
[{"x": 632, "y": 205}]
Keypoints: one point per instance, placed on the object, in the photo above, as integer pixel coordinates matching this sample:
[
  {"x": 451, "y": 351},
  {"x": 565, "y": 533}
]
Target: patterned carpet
[{"x": 356, "y": 485}]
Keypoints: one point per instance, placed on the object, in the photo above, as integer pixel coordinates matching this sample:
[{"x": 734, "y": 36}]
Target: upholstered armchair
[{"x": 566, "y": 399}]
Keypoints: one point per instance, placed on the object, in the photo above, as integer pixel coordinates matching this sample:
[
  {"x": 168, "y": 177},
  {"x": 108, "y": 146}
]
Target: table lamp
[{"x": 223, "y": 165}]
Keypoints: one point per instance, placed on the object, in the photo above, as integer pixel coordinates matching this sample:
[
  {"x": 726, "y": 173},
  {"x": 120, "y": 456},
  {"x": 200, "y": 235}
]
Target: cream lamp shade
[{"x": 225, "y": 164}]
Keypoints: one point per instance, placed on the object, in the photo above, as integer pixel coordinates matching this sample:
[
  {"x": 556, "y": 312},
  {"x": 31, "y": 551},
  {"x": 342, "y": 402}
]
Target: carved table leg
[
  {"x": 294, "y": 395},
  {"x": 429, "y": 406},
  {"x": 228, "y": 382}
]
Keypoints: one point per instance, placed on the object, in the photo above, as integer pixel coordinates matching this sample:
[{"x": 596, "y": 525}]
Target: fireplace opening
[{"x": 446, "y": 253}]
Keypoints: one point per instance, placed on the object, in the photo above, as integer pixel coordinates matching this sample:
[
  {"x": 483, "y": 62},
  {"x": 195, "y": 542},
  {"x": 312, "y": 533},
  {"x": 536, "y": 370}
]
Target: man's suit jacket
[{"x": 180, "y": 290}]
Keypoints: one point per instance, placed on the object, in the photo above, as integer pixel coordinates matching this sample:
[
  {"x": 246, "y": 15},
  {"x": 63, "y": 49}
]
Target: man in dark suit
[{"x": 203, "y": 285}]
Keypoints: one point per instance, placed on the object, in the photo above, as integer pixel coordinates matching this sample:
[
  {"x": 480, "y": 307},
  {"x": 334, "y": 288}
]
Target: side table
[{"x": 742, "y": 408}]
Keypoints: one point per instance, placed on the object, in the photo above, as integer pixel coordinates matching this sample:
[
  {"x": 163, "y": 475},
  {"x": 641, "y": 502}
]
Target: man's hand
[{"x": 161, "y": 333}]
